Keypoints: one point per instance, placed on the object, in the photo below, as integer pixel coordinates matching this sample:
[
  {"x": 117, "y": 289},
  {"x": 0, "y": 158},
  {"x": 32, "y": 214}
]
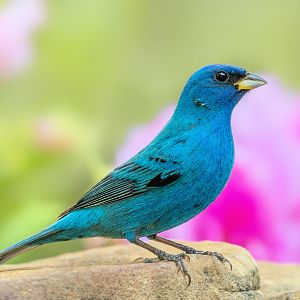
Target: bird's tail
[{"x": 45, "y": 236}]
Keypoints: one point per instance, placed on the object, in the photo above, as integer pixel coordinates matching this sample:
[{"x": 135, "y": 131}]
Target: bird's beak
[{"x": 249, "y": 81}]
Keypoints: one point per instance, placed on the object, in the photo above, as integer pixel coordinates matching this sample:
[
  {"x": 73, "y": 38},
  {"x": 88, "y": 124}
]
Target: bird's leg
[
  {"x": 190, "y": 250},
  {"x": 161, "y": 255}
]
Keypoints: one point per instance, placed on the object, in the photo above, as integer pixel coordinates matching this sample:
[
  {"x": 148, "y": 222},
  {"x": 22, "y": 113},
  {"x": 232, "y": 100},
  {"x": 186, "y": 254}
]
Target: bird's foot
[
  {"x": 179, "y": 261},
  {"x": 177, "y": 258},
  {"x": 147, "y": 260},
  {"x": 217, "y": 255}
]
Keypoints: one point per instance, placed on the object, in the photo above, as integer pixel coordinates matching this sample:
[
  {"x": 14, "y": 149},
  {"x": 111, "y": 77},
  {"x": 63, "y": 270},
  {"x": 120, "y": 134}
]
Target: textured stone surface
[
  {"x": 280, "y": 281},
  {"x": 108, "y": 273}
]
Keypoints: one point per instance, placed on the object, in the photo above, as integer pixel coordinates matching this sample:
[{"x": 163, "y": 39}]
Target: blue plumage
[{"x": 172, "y": 179}]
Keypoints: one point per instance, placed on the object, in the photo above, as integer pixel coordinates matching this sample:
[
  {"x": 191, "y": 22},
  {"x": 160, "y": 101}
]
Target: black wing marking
[
  {"x": 126, "y": 181},
  {"x": 159, "y": 181}
]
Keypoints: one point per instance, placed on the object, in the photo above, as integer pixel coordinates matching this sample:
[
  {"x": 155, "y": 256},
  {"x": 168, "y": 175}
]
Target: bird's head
[{"x": 217, "y": 87}]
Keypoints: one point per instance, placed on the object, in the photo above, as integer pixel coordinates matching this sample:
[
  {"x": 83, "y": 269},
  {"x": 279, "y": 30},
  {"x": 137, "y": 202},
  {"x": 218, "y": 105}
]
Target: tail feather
[{"x": 27, "y": 244}]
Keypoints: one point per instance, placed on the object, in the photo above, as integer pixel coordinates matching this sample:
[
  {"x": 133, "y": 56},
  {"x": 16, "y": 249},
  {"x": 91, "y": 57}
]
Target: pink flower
[
  {"x": 260, "y": 206},
  {"x": 19, "y": 19}
]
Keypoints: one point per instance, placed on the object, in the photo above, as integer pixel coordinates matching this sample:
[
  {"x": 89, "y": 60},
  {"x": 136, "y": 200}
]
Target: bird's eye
[{"x": 221, "y": 76}]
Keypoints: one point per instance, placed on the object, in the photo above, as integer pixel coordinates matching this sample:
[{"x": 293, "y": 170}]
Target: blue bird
[{"x": 170, "y": 181}]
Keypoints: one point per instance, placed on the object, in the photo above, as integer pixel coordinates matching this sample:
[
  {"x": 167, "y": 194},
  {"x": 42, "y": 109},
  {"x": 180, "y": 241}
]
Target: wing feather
[{"x": 128, "y": 180}]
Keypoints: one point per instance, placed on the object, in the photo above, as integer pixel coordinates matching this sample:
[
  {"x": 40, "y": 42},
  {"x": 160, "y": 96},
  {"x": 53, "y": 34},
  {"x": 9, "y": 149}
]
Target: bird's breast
[{"x": 209, "y": 166}]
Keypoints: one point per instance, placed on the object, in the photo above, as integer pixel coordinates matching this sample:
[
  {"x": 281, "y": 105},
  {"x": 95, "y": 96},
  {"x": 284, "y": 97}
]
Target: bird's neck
[{"x": 188, "y": 114}]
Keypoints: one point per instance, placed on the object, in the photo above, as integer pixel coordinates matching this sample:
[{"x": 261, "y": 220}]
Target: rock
[
  {"x": 108, "y": 273},
  {"x": 280, "y": 281}
]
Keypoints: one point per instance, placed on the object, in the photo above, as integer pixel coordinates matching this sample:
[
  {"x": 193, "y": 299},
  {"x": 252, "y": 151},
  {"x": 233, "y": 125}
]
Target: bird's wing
[{"x": 128, "y": 180}]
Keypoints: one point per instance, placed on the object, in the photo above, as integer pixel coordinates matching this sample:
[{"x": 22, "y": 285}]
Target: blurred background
[{"x": 86, "y": 84}]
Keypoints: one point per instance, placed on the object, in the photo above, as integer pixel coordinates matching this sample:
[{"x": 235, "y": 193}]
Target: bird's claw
[
  {"x": 147, "y": 260},
  {"x": 151, "y": 260},
  {"x": 182, "y": 267},
  {"x": 180, "y": 263},
  {"x": 217, "y": 255},
  {"x": 222, "y": 259},
  {"x": 177, "y": 258}
]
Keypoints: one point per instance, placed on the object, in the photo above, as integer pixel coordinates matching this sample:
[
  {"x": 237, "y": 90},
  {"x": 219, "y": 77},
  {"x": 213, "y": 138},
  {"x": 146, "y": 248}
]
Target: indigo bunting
[{"x": 170, "y": 181}]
